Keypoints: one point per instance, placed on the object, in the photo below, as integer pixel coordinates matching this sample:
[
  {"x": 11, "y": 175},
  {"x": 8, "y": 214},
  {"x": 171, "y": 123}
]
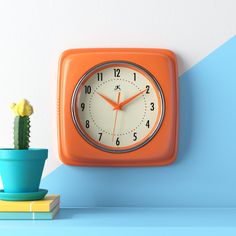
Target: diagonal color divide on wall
[{"x": 205, "y": 172}]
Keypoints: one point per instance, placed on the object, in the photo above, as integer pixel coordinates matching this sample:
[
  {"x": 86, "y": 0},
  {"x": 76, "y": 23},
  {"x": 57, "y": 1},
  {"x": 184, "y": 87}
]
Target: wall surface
[
  {"x": 33, "y": 35},
  {"x": 204, "y": 173}
]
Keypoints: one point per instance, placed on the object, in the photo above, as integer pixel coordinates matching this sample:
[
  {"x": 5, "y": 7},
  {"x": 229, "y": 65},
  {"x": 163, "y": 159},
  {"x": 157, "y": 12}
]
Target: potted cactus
[{"x": 21, "y": 167}]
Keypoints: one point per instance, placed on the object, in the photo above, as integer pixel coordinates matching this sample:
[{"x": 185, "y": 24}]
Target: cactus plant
[
  {"x": 21, "y": 132},
  {"x": 22, "y": 112},
  {"x": 21, "y": 168}
]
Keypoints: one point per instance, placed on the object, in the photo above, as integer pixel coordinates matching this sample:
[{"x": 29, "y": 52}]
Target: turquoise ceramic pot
[{"x": 21, "y": 170}]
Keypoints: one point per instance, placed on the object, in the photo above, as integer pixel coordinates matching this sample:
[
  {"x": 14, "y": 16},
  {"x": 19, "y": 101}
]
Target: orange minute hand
[
  {"x": 113, "y": 104},
  {"x": 128, "y": 100},
  {"x": 114, "y": 128}
]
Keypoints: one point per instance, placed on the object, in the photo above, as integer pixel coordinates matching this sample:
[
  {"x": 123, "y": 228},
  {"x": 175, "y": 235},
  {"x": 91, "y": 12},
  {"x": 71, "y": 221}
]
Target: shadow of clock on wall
[{"x": 204, "y": 173}]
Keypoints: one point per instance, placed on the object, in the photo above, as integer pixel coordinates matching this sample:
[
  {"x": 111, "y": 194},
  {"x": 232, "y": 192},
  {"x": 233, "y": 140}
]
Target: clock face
[{"x": 117, "y": 106}]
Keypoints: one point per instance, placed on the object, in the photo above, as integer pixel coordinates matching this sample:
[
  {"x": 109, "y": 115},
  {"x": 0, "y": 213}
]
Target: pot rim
[
  {"x": 31, "y": 154},
  {"x": 20, "y": 150}
]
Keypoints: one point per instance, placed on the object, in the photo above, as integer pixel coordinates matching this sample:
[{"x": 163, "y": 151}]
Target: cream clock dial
[{"x": 117, "y": 106}]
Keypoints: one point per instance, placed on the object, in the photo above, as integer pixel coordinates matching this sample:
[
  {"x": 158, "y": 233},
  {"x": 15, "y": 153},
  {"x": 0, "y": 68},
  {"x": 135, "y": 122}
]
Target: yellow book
[{"x": 44, "y": 205}]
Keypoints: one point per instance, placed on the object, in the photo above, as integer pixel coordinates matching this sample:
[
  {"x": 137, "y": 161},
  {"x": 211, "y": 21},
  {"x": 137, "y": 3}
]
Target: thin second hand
[{"x": 114, "y": 128}]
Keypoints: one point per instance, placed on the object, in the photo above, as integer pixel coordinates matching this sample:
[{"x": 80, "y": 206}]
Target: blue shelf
[{"x": 129, "y": 221}]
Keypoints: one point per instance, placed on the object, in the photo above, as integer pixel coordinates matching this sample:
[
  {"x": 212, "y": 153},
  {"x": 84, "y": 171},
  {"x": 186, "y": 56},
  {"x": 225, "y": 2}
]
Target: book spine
[
  {"x": 29, "y": 215},
  {"x": 29, "y": 207}
]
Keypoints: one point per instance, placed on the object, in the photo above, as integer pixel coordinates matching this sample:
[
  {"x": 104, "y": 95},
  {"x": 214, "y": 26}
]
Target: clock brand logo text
[{"x": 117, "y": 87}]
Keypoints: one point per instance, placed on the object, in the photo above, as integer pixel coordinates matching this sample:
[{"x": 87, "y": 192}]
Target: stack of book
[{"x": 45, "y": 209}]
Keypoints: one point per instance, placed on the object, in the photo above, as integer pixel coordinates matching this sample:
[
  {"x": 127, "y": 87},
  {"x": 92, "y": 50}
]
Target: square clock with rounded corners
[{"x": 118, "y": 107}]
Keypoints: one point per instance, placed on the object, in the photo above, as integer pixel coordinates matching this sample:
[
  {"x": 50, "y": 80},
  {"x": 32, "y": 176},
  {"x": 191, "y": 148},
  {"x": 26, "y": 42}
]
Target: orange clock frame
[{"x": 160, "y": 150}]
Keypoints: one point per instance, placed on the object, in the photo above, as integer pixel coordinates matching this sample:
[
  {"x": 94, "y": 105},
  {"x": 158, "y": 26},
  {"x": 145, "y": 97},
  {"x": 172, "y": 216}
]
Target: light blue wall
[{"x": 205, "y": 172}]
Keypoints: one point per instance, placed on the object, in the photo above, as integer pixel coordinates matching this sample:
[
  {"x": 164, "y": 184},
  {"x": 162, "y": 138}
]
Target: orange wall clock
[{"x": 118, "y": 107}]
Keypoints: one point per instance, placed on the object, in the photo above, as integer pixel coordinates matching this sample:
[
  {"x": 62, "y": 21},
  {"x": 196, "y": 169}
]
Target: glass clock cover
[{"x": 118, "y": 106}]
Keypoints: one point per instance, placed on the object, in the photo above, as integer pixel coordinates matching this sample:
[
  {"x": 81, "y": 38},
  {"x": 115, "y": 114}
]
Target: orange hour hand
[
  {"x": 113, "y": 104},
  {"x": 128, "y": 100}
]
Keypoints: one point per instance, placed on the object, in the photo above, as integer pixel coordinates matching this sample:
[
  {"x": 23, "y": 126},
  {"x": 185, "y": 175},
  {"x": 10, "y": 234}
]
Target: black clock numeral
[
  {"x": 87, "y": 124},
  {"x": 135, "y": 136},
  {"x": 148, "y": 89},
  {"x": 87, "y": 89},
  {"x": 82, "y": 106},
  {"x": 117, "y": 141},
  {"x": 152, "y": 108},
  {"x": 100, "y": 76},
  {"x": 100, "y": 136},
  {"x": 148, "y": 123},
  {"x": 135, "y": 77},
  {"x": 116, "y": 72}
]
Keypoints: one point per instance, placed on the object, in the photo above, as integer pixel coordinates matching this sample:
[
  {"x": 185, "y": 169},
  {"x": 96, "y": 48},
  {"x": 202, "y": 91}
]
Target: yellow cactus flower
[{"x": 23, "y": 108}]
